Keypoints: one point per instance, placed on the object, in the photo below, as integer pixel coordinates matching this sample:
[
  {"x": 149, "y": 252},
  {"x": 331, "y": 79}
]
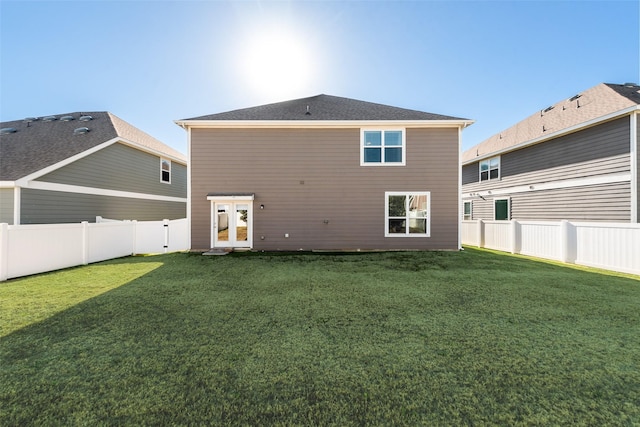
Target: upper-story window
[
  {"x": 382, "y": 147},
  {"x": 165, "y": 171},
  {"x": 490, "y": 169}
]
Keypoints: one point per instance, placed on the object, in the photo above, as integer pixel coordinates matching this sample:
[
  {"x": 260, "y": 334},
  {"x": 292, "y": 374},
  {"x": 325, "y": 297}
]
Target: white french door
[{"x": 232, "y": 224}]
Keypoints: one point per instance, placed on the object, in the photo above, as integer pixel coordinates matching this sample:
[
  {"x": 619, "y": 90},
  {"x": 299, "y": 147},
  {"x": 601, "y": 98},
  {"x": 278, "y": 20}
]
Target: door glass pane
[
  {"x": 397, "y": 206},
  {"x": 223, "y": 222},
  {"x": 242, "y": 213}
]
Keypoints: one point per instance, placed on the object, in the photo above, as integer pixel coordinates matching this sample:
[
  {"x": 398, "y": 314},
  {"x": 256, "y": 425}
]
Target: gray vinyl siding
[
  {"x": 607, "y": 202},
  {"x": 610, "y": 139},
  {"x": 597, "y": 151},
  {"x": 471, "y": 173},
  {"x": 306, "y": 176},
  {"x": 123, "y": 168},
  {"x": 45, "y": 207},
  {"x": 6, "y": 205}
]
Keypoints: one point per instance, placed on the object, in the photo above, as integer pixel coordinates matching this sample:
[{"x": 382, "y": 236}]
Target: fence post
[
  {"x": 165, "y": 223},
  {"x": 4, "y": 251},
  {"x": 480, "y": 233},
  {"x": 85, "y": 242},
  {"x": 564, "y": 240},
  {"x": 513, "y": 228},
  {"x": 134, "y": 236}
]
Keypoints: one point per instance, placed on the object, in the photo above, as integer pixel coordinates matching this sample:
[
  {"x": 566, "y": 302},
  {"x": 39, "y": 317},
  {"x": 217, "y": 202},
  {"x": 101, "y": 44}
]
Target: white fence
[
  {"x": 32, "y": 249},
  {"x": 610, "y": 246}
]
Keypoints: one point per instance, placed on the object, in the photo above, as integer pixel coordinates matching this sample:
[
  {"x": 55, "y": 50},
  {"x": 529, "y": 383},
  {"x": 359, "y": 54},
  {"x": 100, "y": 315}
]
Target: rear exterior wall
[{"x": 313, "y": 188}]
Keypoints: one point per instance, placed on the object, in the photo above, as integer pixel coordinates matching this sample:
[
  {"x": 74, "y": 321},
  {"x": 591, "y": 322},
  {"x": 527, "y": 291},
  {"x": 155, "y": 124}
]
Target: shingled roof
[
  {"x": 322, "y": 108},
  {"x": 37, "y": 144},
  {"x": 599, "y": 101}
]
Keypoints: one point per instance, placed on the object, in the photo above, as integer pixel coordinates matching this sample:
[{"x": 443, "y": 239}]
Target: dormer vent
[
  {"x": 6, "y": 131},
  {"x": 31, "y": 119},
  {"x": 66, "y": 118},
  {"x": 85, "y": 118},
  {"x": 80, "y": 131},
  {"x": 546, "y": 110},
  {"x": 573, "y": 98},
  {"x": 49, "y": 119}
]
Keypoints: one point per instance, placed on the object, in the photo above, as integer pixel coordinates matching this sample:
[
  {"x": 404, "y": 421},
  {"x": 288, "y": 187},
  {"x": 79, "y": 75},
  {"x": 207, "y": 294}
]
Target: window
[
  {"x": 165, "y": 171},
  {"x": 490, "y": 169},
  {"x": 382, "y": 147},
  {"x": 501, "y": 209},
  {"x": 467, "y": 211},
  {"x": 407, "y": 214}
]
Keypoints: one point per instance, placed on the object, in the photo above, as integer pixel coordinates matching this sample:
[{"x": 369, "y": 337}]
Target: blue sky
[{"x": 152, "y": 62}]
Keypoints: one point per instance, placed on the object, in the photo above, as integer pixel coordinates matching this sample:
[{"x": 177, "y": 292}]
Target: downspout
[
  {"x": 188, "y": 129},
  {"x": 633, "y": 154}
]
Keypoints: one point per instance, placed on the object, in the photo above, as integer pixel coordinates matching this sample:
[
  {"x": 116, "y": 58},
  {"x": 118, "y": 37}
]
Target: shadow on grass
[{"x": 320, "y": 339}]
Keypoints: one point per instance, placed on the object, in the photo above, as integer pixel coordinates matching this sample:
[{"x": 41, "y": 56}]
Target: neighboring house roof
[
  {"x": 37, "y": 144},
  {"x": 598, "y": 102},
  {"x": 322, "y": 108}
]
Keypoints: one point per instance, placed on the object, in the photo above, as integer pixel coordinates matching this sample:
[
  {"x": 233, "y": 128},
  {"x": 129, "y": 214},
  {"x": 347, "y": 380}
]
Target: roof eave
[
  {"x": 540, "y": 139},
  {"x": 317, "y": 124}
]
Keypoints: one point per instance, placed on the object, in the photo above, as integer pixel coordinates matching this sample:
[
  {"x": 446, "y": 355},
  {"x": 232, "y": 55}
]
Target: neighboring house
[
  {"x": 574, "y": 160},
  {"x": 77, "y": 166},
  {"x": 324, "y": 173}
]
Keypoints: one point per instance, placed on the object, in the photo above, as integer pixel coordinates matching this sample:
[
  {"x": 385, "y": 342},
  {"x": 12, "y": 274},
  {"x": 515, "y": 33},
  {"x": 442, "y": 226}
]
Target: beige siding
[
  {"x": 595, "y": 152},
  {"x": 306, "y": 176},
  {"x": 44, "y": 207},
  {"x": 6, "y": 205},
  {"x": 119, "y": 167}
]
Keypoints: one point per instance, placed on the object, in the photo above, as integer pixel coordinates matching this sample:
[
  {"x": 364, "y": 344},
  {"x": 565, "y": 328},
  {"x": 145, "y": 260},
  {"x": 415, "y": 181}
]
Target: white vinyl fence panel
[
  {"x": 610, "y": 246},
  {"x": 540, "y": 239},
  {"x": 32, "y": 249}
]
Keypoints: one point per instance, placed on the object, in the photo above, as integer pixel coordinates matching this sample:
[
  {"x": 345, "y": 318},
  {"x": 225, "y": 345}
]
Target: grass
[{"x": 406, "y": 338}]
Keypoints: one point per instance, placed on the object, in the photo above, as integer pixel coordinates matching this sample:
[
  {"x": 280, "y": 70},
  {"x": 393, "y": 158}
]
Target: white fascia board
[
  {"x": 65, "y": 188},
  {"x": 321, "y": 124},
  {"x": 151, "y": 151},
  {"x": 7, "y": 184},
  {"x": 556, "y": 134}
]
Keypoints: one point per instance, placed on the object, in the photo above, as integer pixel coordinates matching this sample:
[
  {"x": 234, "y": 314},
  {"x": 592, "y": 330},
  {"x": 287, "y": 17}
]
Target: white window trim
[
  {"x": 406, "y": 193},
  {"x": 508, "y": 199},
  {"x": 384, "y": 129},
  {"x": 162, "y": 160},
  {"x": 470, "y": 210},
  {"x": 489, "y": 170}
]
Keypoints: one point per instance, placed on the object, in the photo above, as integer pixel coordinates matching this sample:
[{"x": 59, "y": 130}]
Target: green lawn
[{"x": 404, "y": 338}]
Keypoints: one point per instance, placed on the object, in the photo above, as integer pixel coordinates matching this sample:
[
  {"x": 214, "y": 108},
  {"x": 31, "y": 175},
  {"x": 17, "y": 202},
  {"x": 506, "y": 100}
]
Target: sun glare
[{"x": 277, "y": 64}]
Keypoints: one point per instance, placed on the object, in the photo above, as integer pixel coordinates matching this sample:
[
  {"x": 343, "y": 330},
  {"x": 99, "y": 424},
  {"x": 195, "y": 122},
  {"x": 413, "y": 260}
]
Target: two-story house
[
  {"x": 75, "y": 167},
  {"x": 324, "y": 173},
  {"x": 573, "y": 160}
]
